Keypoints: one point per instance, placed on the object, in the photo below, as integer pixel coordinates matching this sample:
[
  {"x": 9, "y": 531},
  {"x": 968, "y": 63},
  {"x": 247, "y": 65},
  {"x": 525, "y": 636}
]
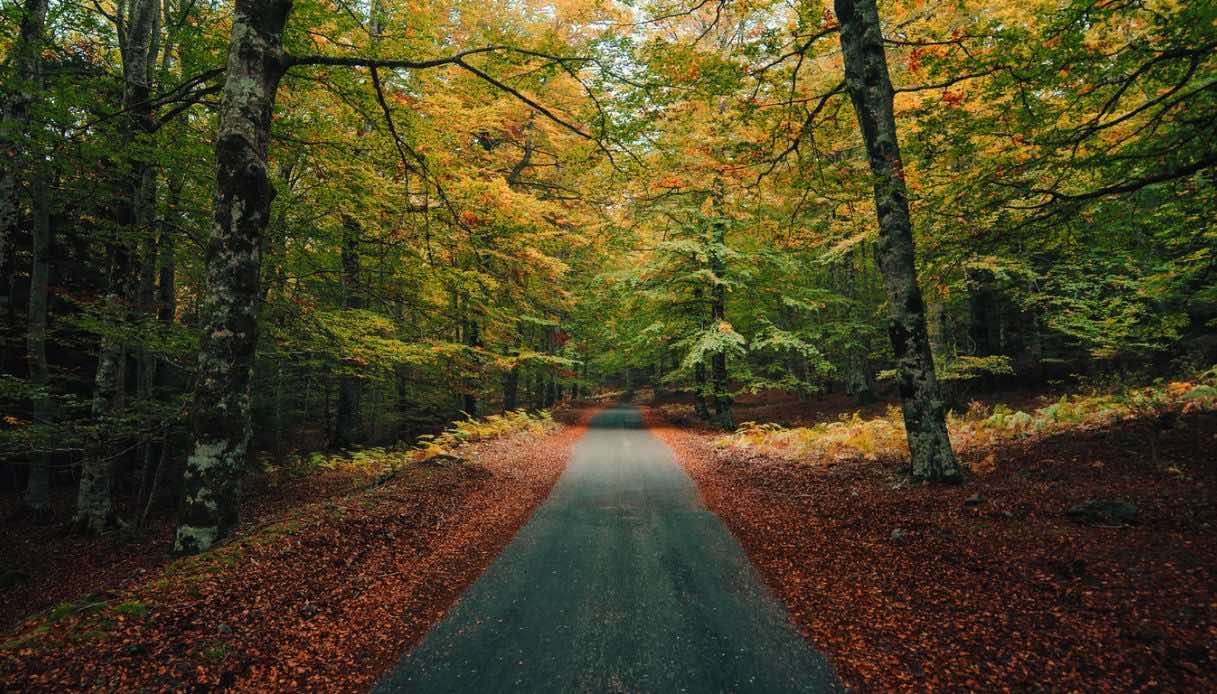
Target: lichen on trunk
[
  {"x": 233, "y": 263},
  {"x": 870, "y": 89}
]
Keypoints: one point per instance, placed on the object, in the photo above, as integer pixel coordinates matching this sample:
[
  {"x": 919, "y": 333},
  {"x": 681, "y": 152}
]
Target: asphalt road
[{"x": 620, "y": 582}]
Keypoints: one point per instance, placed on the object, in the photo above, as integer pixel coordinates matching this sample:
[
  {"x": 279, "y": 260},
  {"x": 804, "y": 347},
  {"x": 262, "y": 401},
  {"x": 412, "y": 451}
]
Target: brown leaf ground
[
  {"x": 324, "y": 600},
  {"x": 1007, "y": 595},
  {"x": 61, "y": 565}
]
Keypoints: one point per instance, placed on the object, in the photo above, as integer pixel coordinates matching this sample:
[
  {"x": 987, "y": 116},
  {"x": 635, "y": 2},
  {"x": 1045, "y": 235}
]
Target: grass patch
[
  {"x": 215, "y": 653},
  {"x": 25, "y": 639},
  {"x": 67, "y": 609},
  {"x": 132, "y": 608}
]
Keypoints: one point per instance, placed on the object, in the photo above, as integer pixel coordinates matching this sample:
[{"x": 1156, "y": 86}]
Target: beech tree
[
  {"x": 221, "y": 428},
  {"x": 870, "y": 89},
  {"x": 23, "y": 91}
]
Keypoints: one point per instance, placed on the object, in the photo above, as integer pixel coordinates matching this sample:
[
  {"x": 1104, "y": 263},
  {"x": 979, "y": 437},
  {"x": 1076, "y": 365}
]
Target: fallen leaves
[
  {"x": 324, "y": 600},
  {"x": 987, "y": 587}
]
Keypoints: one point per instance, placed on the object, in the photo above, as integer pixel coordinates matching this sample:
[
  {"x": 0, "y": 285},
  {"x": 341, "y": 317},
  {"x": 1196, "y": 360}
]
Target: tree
[
  {"x": 134, "y": 211},
  {"x": 24, "y": 90},
  {"x": 257, "y": 62},
  {"x": 870, "y": 89},
  {"x": 221, "y": 426}
]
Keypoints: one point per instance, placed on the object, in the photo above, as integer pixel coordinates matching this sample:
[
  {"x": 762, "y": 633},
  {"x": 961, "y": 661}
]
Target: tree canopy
[{"x": 229, "y": 230}]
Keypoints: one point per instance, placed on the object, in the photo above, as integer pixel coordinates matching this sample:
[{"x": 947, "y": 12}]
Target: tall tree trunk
[
  {"x": 511, "y": 385},
  {"x": 403, "y": 402},
  {"x": 134, "y": 209},
  {"x": 228, "y": 313},
  {"x": 473, "y": 339},
  {"x": 699, "y": 390},
  {"x": 937, "y": 328},
  {"x": 870, "y": 89},
  {"x": 859, "y": 372},
  {"x": 146, "y": 359},
  {"x": 547, "y": 379},
  {"x": 859, "y": 376},
  {"x": 587, "y": 388},
  {"x": 26, "y": 55},
  {"x": 37, "y": 500},
  {"x": 1035, "y": 346},
  {"x": 699, "y": 369},
  {"x": 718, "y": 316},
  {"x": 984, "y": 319},
  {"x": 348, "y": 417},
  {"x": 22, "y": 91},
  {"x": 163, "y": 480}
]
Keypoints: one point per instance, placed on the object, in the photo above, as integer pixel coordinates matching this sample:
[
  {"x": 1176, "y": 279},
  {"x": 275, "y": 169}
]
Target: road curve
[{"x": 621, "y": 582}]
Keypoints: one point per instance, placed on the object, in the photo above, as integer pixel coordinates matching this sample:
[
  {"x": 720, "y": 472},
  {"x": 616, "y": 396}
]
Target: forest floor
[
  {"x": 323, "y": 588},
  {"x": 988, "y": 585}
]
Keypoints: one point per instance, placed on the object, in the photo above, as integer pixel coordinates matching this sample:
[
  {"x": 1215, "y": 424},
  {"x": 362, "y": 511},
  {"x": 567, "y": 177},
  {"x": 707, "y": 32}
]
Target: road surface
[{"x": 620, "y": 582}]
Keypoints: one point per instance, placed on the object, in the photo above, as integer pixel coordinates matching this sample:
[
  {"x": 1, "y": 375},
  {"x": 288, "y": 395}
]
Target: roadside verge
[{"x": 324, "y": 600}]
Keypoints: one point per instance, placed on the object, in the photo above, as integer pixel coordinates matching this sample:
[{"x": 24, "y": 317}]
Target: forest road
[{"x": 620, "y": 582}]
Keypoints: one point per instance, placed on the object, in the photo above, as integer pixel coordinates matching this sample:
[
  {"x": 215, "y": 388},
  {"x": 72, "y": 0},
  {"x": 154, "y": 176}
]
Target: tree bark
[
  {"x": 146, "y": 359},
  {"x": 162, "y": 483},
  {"x": 870, "y": 89},
  {"x": 699, "y": 392},
  {"x": 134, "y": 210},
  {"x": 37, "y": 500},
  {"x": 937, "y": 328},
  {"x": 718, "y": 316},
  {"x": 229, "y": 309},
  {"x": 859, "y": 376},
  {"x": 28, "y": 84},
  {"x": 538, "y": 392}
]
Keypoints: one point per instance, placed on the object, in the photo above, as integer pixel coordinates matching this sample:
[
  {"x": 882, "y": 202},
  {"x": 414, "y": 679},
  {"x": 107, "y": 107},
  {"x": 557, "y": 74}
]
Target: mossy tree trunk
[
  {"x": 134, "y": 214},
  {"x": 870, "y": 89},
  {"x": 228, "y": 313}
]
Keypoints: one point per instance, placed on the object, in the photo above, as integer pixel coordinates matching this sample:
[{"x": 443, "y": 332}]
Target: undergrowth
[
  {"x": 471, "y": 430},
  {"x": 374, "y": 463},
  {"x": 980, "y": 427}
]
